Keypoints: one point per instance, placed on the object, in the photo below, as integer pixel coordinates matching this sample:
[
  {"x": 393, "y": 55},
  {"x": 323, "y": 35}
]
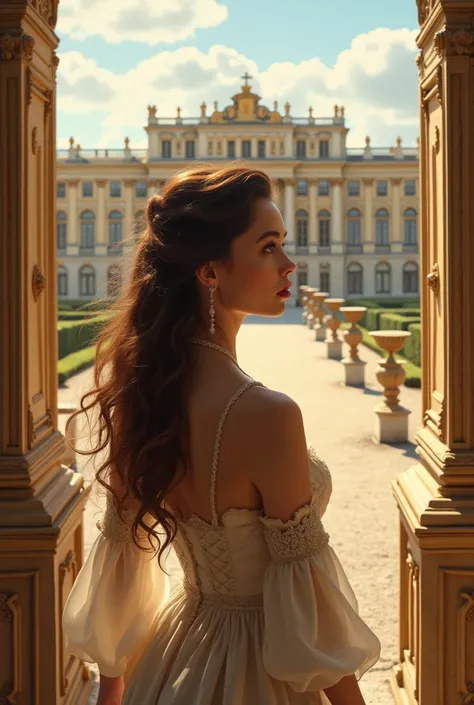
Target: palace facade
[{"x": 351, "y": 214}]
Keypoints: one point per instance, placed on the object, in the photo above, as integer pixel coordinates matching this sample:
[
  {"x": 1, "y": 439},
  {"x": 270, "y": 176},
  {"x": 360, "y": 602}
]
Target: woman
[{"x": 202, "y": 457}]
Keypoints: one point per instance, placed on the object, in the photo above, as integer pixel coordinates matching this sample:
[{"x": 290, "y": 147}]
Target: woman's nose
[{"x": 289, "y": 266}]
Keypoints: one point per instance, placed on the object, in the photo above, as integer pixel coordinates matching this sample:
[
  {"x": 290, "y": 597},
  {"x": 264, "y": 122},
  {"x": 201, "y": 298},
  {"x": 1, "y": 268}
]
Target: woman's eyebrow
[{"x": 267, "y": 233}]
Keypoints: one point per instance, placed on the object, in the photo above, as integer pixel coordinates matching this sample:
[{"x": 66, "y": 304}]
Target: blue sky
[{"x": 170, "y": 52}]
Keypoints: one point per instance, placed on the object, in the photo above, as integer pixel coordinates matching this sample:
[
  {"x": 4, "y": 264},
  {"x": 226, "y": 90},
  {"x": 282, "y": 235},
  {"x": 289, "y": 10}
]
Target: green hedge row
[
  {"x": 76, "y": 315},
  {"x": 384, "y": 303},
  {"x": 371, "y": 318},
  {"x": 75, "y": 362},
  {"x": 412, "y": 349},
  {"x": 75, "y": 335},
  {"x": 80, "y": 304}
]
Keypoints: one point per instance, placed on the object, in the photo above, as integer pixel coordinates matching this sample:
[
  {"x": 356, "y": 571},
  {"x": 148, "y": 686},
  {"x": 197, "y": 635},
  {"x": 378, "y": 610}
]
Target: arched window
[
  {"x": 353, "y": 226},
  {"x": 410, "y": 278},
  {"x": 324, "y": 229},
  {"x": 325, "y": 278},
  {"x": 410, "y": 234},
  {"x": 87, "y": 281},
  {"x": 62, "y": 280},
  {"x": 381, "y": 227},
  {"x": 87, "y": 230},
  {"x": 354, "y": 278},
  {"x": 301, "y": 228},
  {"x": 114, "y": 280},
  {"x": 383, "y": 276},
  {"x": 61, "y": 230},
  {"x": 115, "y": 231}
]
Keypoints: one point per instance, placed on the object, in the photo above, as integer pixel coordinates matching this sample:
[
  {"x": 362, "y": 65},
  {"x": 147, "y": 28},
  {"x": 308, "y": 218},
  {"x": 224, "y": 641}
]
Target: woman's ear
[{"x": 206, "y": 275}]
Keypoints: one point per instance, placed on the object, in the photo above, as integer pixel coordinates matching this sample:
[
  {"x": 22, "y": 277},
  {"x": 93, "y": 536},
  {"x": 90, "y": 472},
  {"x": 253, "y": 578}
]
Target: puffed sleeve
[
  {"x": 313, "y": 633},
  {"x": 116, "y": 597}
]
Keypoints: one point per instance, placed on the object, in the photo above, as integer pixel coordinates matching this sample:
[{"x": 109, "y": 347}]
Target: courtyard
[{"x": 362, "y": 518}]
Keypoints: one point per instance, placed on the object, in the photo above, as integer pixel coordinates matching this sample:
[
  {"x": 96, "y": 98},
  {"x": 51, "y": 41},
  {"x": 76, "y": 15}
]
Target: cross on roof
[{"x": 246, "y": 77}]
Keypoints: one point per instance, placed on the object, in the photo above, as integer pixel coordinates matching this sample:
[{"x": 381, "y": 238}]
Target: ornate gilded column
[
  {"x": 41, "y": 500},
  {"x": 368, "y": 236},
  {"x": 313, "y": 216},
  {"x": 73, "y": 237},
  {"x": 396, "y": 236},
  {"x": 436, "y": 495},
  {"x": 290, "y": 215}
]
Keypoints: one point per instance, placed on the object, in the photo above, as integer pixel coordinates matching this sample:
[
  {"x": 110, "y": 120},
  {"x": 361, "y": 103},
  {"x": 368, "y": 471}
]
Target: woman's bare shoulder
[{"x": 272, "y": 429}]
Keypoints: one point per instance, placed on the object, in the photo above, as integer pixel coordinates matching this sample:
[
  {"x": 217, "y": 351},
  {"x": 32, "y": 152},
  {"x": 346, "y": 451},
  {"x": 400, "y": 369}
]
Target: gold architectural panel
[{"x": 245, "y": 108}]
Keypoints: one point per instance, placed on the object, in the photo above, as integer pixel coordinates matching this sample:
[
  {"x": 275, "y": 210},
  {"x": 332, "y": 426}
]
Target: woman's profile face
[{"x": 258, "y": 267}]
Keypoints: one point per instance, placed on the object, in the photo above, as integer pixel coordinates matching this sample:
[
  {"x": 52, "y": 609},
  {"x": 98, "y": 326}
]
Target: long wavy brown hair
[{"x": 143, "y": 366}]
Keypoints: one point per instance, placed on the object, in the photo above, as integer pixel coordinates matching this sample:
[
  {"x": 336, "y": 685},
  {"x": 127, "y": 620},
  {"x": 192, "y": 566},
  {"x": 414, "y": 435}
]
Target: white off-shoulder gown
[{"x": 265, "y": 614}]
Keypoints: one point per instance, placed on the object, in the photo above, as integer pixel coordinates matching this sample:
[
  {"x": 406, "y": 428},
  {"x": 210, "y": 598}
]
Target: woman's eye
[{"x": 269, "y": 247}]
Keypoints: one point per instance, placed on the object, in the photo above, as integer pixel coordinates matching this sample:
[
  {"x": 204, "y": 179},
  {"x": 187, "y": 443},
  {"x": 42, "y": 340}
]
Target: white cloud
[
  {"x": 148, "y": 21},
  {"x": 375, "y": 79}
]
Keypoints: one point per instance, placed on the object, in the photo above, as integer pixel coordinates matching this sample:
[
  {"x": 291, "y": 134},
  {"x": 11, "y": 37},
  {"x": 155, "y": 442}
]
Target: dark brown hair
[{"x": 143, "y": 360}]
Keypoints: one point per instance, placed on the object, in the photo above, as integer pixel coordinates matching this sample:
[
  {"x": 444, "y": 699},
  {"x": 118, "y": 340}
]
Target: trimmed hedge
[
  {"x": 412, "y": 348},
  {"x": 371, "y": 318},
  {"x": 75, "y": 335},
  {"x": 76, "y": 315},
  {"x": 75, "y": 362},
  {"x": 84, "y": 305},
  {"x": 384, "y": 303}
]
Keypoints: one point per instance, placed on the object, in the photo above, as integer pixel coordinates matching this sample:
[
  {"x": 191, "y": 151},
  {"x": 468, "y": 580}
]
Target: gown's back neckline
[{"x": 217, "y": 521}]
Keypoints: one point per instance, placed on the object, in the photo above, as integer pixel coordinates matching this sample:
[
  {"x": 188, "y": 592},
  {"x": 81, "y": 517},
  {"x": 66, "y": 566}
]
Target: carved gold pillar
[
  {"x": 41, "y": 501},
  {"x": 436, "y": 496}
]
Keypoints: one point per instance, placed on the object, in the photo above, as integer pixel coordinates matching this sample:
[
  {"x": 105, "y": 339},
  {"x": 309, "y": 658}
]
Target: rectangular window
[
  {"x": 115, "y": 189},
  {"x": 324, "y": 149},
  {"x": 302, "y": 187},
  {"x": 62, "y": 284},
  {"x": 324, "y": 236},
  {"x": 301, "y": 149},
  {"x": 87, "y": 189},
  {"x": 353, "y": 232},
  {"x": 246, "y": 149},
  {"x": 323, "y": 187},
  {"x": 166, "y": 149},
  {"x": 353, "y": 188},
  {"x": 61, "y": 233},
  {"x": 381, "y": 232},
  {"x": 231, "y": 149},
  {"x": 140, "y": 189},
  {"x": 190, "y": 149},
  {"x": 324, "y": 281},
  {"x": 61, "y": 189},
  {"x": 382, "y": 188},
  {"x": 261, "y": 149},
  {"x": 410, "y": 187}
]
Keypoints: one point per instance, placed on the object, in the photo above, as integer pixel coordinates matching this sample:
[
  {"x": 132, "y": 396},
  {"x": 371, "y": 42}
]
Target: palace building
[{"x": 351, "y": 214}]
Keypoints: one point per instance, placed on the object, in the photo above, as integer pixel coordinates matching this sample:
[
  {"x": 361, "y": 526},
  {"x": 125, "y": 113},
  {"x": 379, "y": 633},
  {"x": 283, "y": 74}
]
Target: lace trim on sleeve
[
  {"x": 300, "y": 537},
  {"x": 118, "y": 528}
]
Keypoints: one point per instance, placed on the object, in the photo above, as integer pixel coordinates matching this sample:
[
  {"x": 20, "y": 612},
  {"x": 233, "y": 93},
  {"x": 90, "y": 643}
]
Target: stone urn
[
  {"x": 320, "y": 328},
  {"x": 333, "y": 341},
  {"x": 391, "y": 417},
  {"x": 354, "y": 367},
  {"x": 305, "y": 294}
]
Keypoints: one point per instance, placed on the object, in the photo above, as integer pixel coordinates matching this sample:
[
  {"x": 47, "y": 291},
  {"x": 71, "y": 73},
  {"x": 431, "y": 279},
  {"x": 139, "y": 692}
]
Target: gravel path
[{"x": 362, "y": 516}]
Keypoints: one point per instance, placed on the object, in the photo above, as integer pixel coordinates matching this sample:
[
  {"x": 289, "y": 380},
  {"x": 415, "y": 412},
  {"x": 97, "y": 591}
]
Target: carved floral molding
[
  {"x": 424, "y": 10},
  {"x": 16, "y": 47},
  {"x": 47, "y": 10},
  {"x": 455, "y": 42}
]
